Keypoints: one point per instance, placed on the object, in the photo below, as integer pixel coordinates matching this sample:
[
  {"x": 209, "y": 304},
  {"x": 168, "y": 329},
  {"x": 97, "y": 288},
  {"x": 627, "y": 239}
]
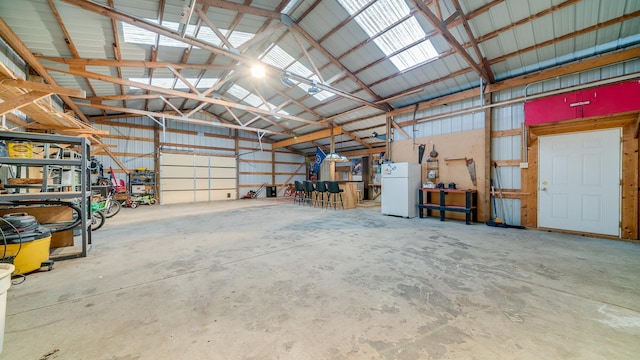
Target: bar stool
[
  {"x": 321, "y": 189},
  {"x": 359, "y": 197},
  {"x": 334, "y": 189},
  {"x": 308, "y": 191},
  {"x": 298, "y": 195}
]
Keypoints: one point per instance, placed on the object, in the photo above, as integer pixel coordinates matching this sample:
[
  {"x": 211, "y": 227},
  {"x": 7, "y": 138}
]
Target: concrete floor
[{"x": 263, "y": 279}]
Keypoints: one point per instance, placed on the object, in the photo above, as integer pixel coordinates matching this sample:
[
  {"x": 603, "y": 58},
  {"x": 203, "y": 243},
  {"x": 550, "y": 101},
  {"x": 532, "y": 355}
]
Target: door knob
[{"x": 543, "y": 189}]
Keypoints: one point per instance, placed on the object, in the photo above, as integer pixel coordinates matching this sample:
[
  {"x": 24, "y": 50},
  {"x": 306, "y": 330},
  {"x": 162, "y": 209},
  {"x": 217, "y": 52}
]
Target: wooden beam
[
  {"x": 474, "y": 43},
  {"x": 322, "y": 134},
  {"x": 178, "y": 93},
  {"x": 116, "y": 50},
  {"x": 438, "y": 25},
  {"x": 53, "y": 89},
  {"x": 135, "y": 63},
  {"x": 180, "y": 118},
  {"x": 307, "y": 56},
  {"x": 399, "y": 128},
  {"x": 24, "y": 100},
  {"x": 259, "y": 37},
  {"x": 362, "y": 142},
  {"x": 240, "y": 8},
  {"x": 127, "y": 97},
  {"x": 581, "y": 65},
  {"x": 213, "y": 28},
  {"x": 151, "y": 26},
  {"x": 23, "y": 51},
  {"x": 318, "y": 47},
  {"x": 172, "y": 106},
  {"x": 527, "y": 79},
  {"x": 90, "y": 131},
  {"x": 583, "y": 31},
  {"x": 183, "y": 79},
  {"x": 525, "y": 20}
]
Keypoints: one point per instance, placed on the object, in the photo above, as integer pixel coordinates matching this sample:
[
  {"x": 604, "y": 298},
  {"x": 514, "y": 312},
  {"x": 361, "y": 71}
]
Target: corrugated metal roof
[{"x": 92, "y": 35}]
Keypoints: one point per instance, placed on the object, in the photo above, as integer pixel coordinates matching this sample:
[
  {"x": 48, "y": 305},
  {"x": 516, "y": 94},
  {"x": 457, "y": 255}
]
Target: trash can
[
  {"x": 27, "y": 243},
  {"x": 5, "y": 284},
  {"x": 271, "y": 191}
]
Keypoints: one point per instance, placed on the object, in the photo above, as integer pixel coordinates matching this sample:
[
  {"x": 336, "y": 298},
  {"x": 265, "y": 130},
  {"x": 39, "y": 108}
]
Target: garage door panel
[
  {"x": 226, "y": 173},
  {"x": 202, "y": 161},
  {"x": 176, "y": 184},
  {"x": 176, "y": 159},
  {"x": 176, "y": 172},
  {"x": 222, "y": 194},
  {"x": 202, "y": 195},
  {"x": 202, "y": 172},
  {"x": 182, "y": 182},
  {"x": 177, "y": 197},
  {"x": 224, "y": 184}
]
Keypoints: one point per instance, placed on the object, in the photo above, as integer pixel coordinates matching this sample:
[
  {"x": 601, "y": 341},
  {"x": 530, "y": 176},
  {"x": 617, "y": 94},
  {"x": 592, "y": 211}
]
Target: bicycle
[
  {"x": 109, "y": 206},
  {"x": 290, "y": 190}
]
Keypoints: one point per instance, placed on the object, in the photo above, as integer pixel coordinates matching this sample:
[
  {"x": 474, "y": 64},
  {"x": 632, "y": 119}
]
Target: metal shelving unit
[{"x": 54, "y": 191}]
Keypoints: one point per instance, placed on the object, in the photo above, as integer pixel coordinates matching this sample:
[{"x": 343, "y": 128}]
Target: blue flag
[{"x": 320, "y": 155}]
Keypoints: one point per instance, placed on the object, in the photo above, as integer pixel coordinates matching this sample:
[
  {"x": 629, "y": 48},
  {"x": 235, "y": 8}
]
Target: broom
[{"x": 496, "y": 221}]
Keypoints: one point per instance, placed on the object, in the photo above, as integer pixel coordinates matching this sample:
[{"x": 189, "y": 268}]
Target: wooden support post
[
  {"x": 156, "y": 158},
  {"x": 485, "y": 201}
]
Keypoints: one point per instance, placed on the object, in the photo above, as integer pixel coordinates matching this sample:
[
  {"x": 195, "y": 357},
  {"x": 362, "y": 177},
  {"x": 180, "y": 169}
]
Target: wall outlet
[{"x": 524, "y": 165}]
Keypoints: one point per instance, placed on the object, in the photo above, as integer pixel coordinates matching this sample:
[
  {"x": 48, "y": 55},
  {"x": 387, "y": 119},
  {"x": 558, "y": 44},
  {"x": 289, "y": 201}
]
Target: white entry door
[{"x": 579, "y": 182}]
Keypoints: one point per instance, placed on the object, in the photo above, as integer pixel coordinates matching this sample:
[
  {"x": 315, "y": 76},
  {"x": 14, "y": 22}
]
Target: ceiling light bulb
[{"x": 257, "y": 71}]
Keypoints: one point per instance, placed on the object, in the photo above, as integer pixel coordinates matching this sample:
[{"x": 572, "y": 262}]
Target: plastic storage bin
[{"x": 5, "y": 284}]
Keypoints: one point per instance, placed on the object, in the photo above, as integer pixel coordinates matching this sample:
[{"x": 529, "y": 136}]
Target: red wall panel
[{"x": 604, "y": 100}]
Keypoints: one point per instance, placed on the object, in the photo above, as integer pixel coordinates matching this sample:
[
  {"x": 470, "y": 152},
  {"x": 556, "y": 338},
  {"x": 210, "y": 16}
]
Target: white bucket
[{"x": 5, "y": 283}]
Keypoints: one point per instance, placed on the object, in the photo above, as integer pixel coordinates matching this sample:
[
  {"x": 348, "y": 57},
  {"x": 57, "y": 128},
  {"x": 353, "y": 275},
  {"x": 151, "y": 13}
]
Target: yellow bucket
[{"x": 20, "y": 149}]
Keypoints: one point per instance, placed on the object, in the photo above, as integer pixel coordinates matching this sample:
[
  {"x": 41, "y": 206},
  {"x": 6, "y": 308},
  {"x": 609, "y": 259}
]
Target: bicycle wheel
[
  {"x": 112, "y": 209},
  {"x": 97, "y": 220}
]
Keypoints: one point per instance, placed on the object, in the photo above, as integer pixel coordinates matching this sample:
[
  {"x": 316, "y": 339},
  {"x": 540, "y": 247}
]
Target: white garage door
[
  {"x": 579, "y": 182},
  {"x": 188, "y": 178}
]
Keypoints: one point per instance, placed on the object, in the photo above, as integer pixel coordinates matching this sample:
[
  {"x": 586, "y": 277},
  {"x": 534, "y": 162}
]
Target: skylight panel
[
  {"x": 238, "y": 38},
  {"x": 299, "y": 69},
  {"x": 135, "y": 35},
  {"x": 414, "y": 55},
  {"x": 278, "y": 57},
  {"x": 402, "y": 35},
  {"x": 204, "y": 83},
  {"x": 207, "y": 35},
  {"x": 238, "y": 91},
  {"x": 167, "y": 83},
  {"x": 376, "y": 20},
  {"x": 254, "y": 100},
  {"x": 352, "y": 6},
  {"x": 381, "y": 15}
]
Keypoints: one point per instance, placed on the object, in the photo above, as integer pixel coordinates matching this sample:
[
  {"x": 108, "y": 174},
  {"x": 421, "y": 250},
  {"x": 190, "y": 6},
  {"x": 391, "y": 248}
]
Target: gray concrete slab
[{"x": 263, "y": 279}]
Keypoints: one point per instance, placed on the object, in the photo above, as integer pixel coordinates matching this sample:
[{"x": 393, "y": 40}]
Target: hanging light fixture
[
  {"x": 335, "y": 157},
  {"x": 314, "y": 89},
  {"x": 285, "y": 79}
]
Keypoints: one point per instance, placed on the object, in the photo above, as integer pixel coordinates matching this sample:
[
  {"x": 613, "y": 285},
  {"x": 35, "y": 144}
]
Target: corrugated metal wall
[
  {"x": 259, "y": 165},
  {"x": 507, "y": 123},
  {"x": 509, "y": 148},
  {"x": 443, "y": 124},
  {"x": 134, "y": 147}
]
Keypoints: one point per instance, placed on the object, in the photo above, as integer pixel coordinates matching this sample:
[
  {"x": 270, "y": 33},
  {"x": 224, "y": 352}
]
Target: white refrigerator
[{"x": 400, "y": 184}]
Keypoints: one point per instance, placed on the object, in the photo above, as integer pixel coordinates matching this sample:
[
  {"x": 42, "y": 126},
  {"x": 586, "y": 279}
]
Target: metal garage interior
[{"x": 209, "y": 110}]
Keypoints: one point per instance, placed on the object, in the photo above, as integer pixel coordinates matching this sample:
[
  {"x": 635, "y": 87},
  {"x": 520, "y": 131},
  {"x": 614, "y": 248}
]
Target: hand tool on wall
[
  {"x": 471, "y": 166},
  {"x": 433, "y": 154}
]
